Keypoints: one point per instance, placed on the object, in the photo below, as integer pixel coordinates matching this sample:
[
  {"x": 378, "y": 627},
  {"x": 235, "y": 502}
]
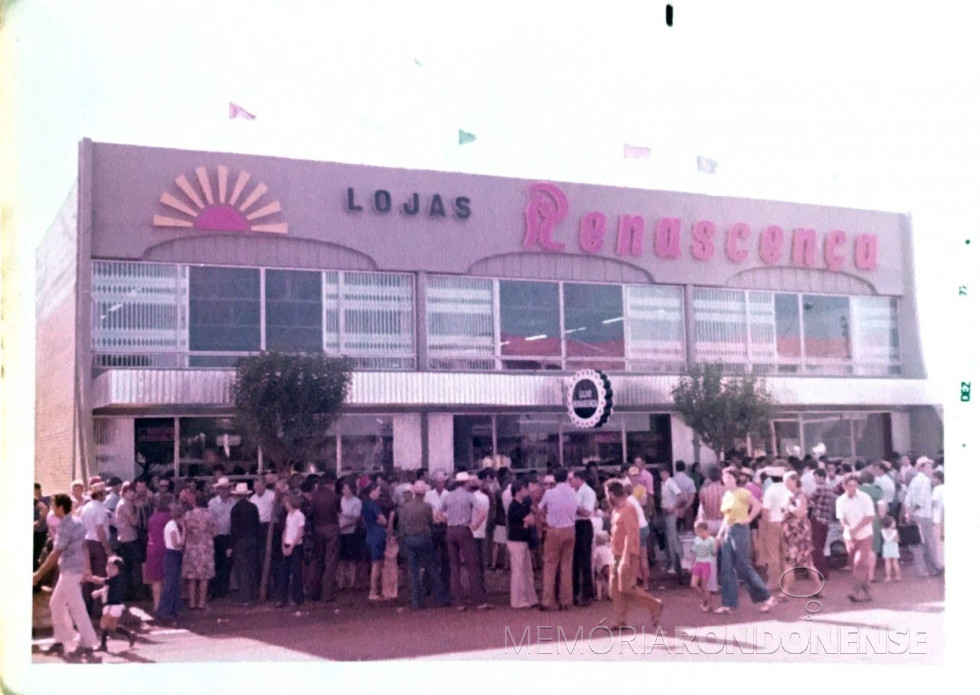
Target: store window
[
  {"x": 720, "y": 325},
  {"x": 293, "y": 311},
  {"x": 205, "y": 441},
  {"x": 648, "y": 436},
  {"x": 370, "y": 317},
  {"x": 531, "y": 441},
  {"x": 603, "y": 445},
  {"x": 655, "y": 328},
  {"x": 225, "y": 313},
  {"x": 875, "y": 335},
  {"x": 154, "y": 445},
  {"x": 530, "y": 325},
  {"x": 366, "y": 444},
  {"x": 789, "y": 345},
  {"x": 594, "y": 326},
  {"x": 473, "y": 441}
]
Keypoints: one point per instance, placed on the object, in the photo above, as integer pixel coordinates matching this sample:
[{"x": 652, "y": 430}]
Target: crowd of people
[{"x": 577, "y": 534}]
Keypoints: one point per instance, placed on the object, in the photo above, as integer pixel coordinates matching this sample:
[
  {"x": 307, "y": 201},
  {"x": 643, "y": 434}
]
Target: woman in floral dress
[
  {"x": 198, "y": 567},
  {"x": 797, "y": 537}
]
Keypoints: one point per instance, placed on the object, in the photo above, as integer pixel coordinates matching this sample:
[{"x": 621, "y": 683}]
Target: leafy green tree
[
  {"x": 287, "y": 401},
  {"x": 722, "y": 409}
]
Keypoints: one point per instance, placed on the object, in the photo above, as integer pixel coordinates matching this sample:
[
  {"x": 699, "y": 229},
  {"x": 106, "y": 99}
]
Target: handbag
[{"x": 908, "y": 534}]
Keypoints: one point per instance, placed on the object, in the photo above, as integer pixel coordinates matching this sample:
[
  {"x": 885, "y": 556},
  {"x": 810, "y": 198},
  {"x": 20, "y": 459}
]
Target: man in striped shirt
[
  {"x": 823, "y": 503},
  {"x": 457, "y": 508}
]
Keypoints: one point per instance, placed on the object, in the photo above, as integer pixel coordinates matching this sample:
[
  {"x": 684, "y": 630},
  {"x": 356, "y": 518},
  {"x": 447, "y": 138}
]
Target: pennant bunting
[
  {"x": 465, "y": 137},
  {"x": 235, "y": 111}
]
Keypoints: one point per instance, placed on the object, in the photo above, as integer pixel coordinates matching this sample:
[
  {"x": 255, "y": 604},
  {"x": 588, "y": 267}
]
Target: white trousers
[
  {"x": 68, "y": 612},
  {"x": 522, "y": 593}
]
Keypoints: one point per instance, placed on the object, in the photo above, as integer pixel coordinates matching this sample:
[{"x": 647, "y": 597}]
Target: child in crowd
[
  {"x": 889, "y": 549},
  {"x": 602, "y": 560},
  {"x": 704, "y": 552},
  {"x": 112, "y": 592}
]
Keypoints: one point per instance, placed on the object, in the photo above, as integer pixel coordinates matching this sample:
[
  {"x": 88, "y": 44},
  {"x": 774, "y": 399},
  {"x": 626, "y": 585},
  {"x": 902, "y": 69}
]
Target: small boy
[
  {"x": 602, "y": 560},
  {"x": 112, "y": 593},
  {"x": 704, "y": 551}
]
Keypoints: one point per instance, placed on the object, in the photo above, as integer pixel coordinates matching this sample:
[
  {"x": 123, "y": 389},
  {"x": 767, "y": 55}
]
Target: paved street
[{"x": 903, "y": 623}]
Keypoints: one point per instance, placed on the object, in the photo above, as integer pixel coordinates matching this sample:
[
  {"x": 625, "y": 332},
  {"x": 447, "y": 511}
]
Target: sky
[{"x": 867, "y": 105}]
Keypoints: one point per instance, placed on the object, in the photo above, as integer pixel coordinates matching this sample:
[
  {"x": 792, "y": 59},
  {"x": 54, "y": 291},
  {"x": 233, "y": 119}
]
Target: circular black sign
[{"x": 589, "y": 399}]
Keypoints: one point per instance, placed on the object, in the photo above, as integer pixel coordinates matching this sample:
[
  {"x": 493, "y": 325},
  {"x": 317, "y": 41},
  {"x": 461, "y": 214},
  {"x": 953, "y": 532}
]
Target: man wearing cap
[
  {"x": 560, "y": 508},
  {"x": 582, "y": 579},
  {"x": 415, "y": 522},
  {"x": 245, "y": 537},
  {"x": 95, "y": 519},
  {"x": 918, "y": 510},
  {"x": 220, "y": 508},
  {"x": 774, "y": 501},
  {"x": 458, "y": 511},
  {"x": 67, "y": 604}
]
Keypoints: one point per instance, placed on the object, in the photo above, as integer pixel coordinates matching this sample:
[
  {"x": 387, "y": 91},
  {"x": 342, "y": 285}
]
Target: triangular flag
[
  {"x": 465, "y": 137},
  {"x": 706, "y": 165},
  {"x": 234, "y": 111},
  {"x": 633, "y": 152}
]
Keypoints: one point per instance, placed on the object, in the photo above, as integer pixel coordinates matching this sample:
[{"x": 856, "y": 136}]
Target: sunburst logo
[{"x": 216, "y": 209}]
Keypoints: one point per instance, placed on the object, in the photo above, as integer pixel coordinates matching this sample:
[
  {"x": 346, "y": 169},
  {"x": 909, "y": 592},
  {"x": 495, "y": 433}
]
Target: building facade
[{"x": 466, "y": 303}]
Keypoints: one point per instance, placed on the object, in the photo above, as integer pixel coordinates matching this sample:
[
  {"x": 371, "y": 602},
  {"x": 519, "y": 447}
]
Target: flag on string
[
  {"x": 234, "y": 111},
  {"x": 465, "y": 137},
  {"x": 706, "y": 165},
  {"x": 634, "y": 152}
]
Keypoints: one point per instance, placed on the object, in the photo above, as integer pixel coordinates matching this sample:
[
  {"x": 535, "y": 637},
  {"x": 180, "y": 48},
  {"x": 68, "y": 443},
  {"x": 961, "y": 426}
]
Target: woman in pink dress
[{"x": 156, "y": 548}]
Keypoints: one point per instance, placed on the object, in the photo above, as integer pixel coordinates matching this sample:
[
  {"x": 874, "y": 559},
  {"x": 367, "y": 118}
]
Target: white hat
[
  {"x": 923, "y": 459},
  {"x": 241, "y": 489},
  {"x": 819, "y": 450},
  {"x": 462, "y": 477},
  {"x": 420, "y": 487},
  {"x": 223, "y": 482}
]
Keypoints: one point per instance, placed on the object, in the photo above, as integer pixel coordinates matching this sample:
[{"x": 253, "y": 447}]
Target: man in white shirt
[
  {"x": 583, "y": 588},
  {"x": 807, "y": 482},
  {"x": 560, "y": 508},
  {"x": 671, "y": 501},
  {"x": 885, "y": 482},
  {"x": 856, "y": 512},
  {"x": 774, "y": 501},
  {"x": 939, "y": 515},
  {"x": 688, "y": 490},
  {"x": 95, "y": 518},
  {"x": 918, "y": 510},
  {"x": 643, "y": 573},
  {"x": 435, "y": 497},
  {"x": 481, "y": 515},
  {"x": 220, "y": 509}
]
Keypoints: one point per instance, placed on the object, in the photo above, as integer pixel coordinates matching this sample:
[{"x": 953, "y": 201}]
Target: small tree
[
  {"x": 719, "y": 409},
  {"x": 287, "y": 402}
]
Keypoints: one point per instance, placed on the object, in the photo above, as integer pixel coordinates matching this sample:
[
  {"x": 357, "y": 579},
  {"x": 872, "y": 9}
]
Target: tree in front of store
[
  {"x": 287, "y": 401},
  {"x": 720, "y": 409}
]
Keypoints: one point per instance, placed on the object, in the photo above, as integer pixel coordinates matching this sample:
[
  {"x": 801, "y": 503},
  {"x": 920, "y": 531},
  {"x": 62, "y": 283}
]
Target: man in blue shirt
[{"x": 67, "y": 604}]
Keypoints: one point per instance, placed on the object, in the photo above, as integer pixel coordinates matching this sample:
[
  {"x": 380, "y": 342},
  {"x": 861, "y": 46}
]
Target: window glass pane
[
  {"x": 531, "y": 441},
  {"x": 833, "y": 430},
  {"x": 788, "y": 343},
  {"x": 154, "y": 444},
  {"x": 872, "y": 435},
  {"x": 825, "y": 328},
  {"x": 134, "y": 314},
  {"x": 719, "y": 325},
  {"x": 655, "y": 326},
  {"x": 224, "y": 309},
  {"x": 378, "y": 319},
  {"x": 762, "y": 331},
  {"x": 205, "y": 441},
  {"x": 603, "y": 445},
  {"x": 331, "y": 313},
  {"x": 594, "y": 325},
  {"x": 788, "y": 441},
  {"x": 366, "y": 443},
  {"x": 459, "y": 312},
  {"x": 293, "y": 311},
  {"x": 648, "y": 436},
  {"x": 529, "y": 322},
  {"x": 473, "y": 441},
  {"x": 875, "y": 334}
]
